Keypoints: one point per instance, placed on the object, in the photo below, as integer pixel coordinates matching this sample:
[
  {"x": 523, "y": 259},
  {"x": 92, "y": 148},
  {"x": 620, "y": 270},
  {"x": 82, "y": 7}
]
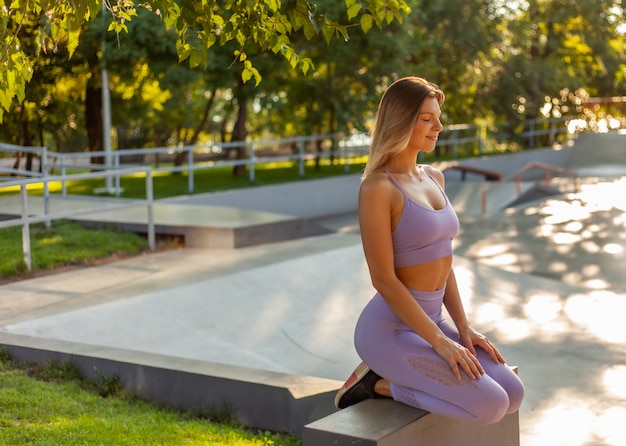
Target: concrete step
[{"x": 388, "y": 423}]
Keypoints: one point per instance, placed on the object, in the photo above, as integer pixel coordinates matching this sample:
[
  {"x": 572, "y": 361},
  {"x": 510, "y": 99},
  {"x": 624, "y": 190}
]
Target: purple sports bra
[{"x": 423, "y": 235}]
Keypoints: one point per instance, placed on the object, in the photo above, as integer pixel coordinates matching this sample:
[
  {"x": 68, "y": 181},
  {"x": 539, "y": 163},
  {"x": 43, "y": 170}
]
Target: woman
[{"x": 409, "y": 351}]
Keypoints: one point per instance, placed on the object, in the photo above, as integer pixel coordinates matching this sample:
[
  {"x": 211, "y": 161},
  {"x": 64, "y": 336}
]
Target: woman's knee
[
  {"x": 515, "y": 391},
  {"x": 493, "y": 407}
]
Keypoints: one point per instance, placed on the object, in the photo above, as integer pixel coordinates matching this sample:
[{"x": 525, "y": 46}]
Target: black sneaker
[{"x": 358, "y": 387}]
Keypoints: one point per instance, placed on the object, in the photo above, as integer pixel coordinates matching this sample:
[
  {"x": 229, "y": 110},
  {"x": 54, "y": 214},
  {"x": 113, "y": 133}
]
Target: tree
[
  {"x": 341, "y": 95},
  {"x": 49, "y": 112},
  {"x": 199, "y": 24},
  {"x": 556, "y": 50}
]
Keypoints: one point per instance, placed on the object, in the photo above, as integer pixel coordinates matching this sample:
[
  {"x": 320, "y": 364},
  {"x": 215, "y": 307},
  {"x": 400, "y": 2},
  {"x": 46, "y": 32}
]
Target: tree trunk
[
  {"x": 205, "y": 118},
  {"x": 24, "y": 139},
  {"x": 332, "y": 128},
  {"x": 239, "y": 130},
  {"x": 181, "y": 157},
  {"x": 93, "y": 122},
  {"x": 319, "y": 147}
]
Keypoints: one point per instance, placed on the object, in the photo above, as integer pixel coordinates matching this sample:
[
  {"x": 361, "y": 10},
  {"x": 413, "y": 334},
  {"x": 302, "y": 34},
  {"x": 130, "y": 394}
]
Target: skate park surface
[{"x": 544, "y": 280}]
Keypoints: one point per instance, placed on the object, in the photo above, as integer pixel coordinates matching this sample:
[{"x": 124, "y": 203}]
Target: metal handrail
[
  {"x": 518, "y": 181},
  {"x": 344, "y": 148},
  {"x": 26, "y": 218}
]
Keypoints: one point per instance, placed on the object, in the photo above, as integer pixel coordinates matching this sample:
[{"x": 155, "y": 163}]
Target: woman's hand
[
  {"x": 456, "y": 355},
  {"x": 471, "y": 338}
]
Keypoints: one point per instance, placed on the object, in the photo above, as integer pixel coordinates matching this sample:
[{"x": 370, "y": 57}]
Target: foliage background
[{"x": 192, "y": 72}]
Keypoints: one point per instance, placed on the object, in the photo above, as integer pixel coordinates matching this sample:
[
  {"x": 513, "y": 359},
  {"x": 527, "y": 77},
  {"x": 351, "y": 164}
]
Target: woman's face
[{"x": 427, "y": 127}]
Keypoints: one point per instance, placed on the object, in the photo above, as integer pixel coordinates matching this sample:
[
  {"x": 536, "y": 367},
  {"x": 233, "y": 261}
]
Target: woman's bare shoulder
[
  {"x": 376, "y": 182},
  {"x": 435, "y": 173},
  {"x": 432, "y": 170}
]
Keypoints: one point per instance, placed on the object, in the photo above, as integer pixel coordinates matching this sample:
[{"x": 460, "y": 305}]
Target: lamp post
[{"x": 106, "y": 115}]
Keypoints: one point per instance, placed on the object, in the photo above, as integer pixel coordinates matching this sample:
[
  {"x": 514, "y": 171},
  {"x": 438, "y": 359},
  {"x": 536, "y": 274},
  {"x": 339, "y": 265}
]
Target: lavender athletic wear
[
  {"x": 420, "y": 377},
  {"x": 422, "y": 235}
]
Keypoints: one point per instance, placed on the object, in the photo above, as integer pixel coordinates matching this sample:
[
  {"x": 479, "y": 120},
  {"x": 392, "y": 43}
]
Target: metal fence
[
  {"x": 456, "y": 141},
  {"x": 28, "y": 216}
]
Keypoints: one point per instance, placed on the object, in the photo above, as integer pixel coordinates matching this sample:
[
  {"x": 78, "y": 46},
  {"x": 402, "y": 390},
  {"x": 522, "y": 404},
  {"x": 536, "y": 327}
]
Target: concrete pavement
[{"x": 545, "y": 282}]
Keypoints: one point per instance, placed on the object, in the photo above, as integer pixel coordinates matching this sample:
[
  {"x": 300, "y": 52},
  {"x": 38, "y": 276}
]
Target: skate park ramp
[{"x": 543, "y": 280}]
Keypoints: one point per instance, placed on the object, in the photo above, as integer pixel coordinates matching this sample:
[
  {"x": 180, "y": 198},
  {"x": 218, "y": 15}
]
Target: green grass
[
  {"x": 65, "y": 243},
  {"x": 52, "y": 405}
]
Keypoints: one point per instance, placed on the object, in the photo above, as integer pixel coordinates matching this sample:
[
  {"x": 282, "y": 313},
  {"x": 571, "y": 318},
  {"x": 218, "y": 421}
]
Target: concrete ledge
[
  {"x": 255, "y": 398},
  {"x": 216, "y": 237},
  {"x": 388, "y": 423},
  {"x": 251, "y": 235},
  {"x": 307, "y": 199},
  {"x": 206, "y": 226}
]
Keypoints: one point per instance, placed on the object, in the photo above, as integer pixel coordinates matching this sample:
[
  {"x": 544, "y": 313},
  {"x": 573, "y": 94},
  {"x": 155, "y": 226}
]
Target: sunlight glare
[
  {"x": 614, "y": 381},
  {"x": 544, "y": 230},
  {"x": 600, "y": 312},
  {"x": 493, "y": 250},
  {"x": 564, "y": 249},
  {"x": 558, "y": 267},
  {"x": 597, "y": 284},
  {"x": 613, "y": 248},
  {"x": 603, "y": 195},
  {"x": 564, "y": 238},
  {"x": 513, "y": 329},
  {"x": 542, "y": 308},
  {"x": 573, "y": 226},
  {"x": 572, "y": 278},
  {"x": 587, "y": 233},
  {"x": 590, "y": 247},
  {"x": 610, "y": 426},
  {"x": 570, "y": 412},
  {"x": 563, "y": 212},
  {"x": 532, "y": 210},
  {"x": 501, "y": 260},
  {"x": 591, "y": 269},
  {"x": 488, "y": 313}
]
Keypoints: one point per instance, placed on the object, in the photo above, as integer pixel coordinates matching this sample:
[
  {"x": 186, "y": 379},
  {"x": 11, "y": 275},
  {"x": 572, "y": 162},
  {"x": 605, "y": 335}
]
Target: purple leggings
[{"x": 420, "y": 378}]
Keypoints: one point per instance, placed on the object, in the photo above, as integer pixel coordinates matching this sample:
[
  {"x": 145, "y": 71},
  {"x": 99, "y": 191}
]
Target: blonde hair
[{"x": 396, "y": 117}]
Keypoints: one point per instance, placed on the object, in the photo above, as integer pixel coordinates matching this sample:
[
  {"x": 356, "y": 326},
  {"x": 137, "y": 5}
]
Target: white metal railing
[
  {"x": 27, "y": 218},
  {"x": 344, "y": 149},
  {"x": 41, "y": 152},
  {"x": 453, "y": 137},
  {"x": 74, "y": 160}
]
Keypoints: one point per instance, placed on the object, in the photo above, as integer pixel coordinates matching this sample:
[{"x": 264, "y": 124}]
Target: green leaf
[
  {"x": 353, "y": 9},
  {"x": 195, "y": 59},
  {"x": 366, "y": 22},
  {"x": 328, "y": 33},
  {"x": 305, "y": 65},
  {"x": 246, "y": 75},
  {"x": 343, "y": 31},
  {"x": 72, "y": 41}
]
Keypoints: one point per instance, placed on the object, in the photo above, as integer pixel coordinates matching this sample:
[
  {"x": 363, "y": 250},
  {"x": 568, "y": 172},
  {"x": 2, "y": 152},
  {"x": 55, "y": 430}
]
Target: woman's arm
[
  {"x": 468, "y": 336},
  {"x": 452, "y": 301}
]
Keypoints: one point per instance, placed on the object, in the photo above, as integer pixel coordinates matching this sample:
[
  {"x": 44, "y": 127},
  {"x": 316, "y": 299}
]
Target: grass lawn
[
  {"x": 65, "y": 244},
  {"x": 51, "y": 405}
]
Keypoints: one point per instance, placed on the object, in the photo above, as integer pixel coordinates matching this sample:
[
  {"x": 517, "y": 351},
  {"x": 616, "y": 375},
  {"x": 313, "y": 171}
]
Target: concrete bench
[
  {"x": 255, "y": 398},
  {"x": 389, "y": 423}
]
